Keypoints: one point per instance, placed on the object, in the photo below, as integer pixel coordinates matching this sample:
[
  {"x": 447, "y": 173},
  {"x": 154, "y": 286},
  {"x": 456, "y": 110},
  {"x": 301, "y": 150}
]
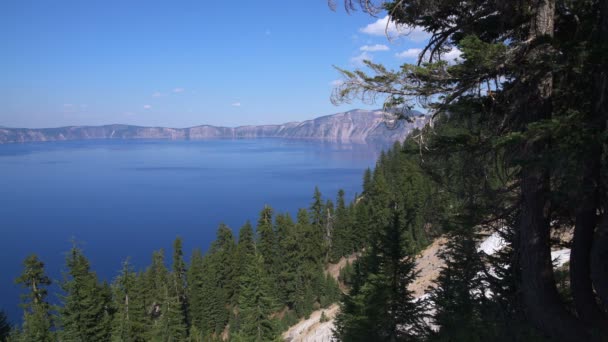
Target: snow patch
[
  {"x": 560, "y": 257},
  {"x": 492, "y": 244}
]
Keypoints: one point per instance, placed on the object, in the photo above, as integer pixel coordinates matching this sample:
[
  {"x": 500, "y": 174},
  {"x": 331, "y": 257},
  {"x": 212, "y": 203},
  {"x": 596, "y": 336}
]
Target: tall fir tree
[
  {"x": 256, "y": 303},
  {"x": 379, "y": 306},
  {"x": 129, "y": 323},
  {"x": 318, "y": 221},
  {"x": 37, "y": 322},
  {"x": 267, "y": 241},
  {"x": 86, "y": 314}
]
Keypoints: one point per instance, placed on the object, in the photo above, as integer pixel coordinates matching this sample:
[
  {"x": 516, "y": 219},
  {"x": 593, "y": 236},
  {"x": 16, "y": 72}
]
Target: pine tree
[
  {"x": 318, "y": 220},
  {"x": 130, "y": 319},
  {"x": 172, "y": 324},
  {"x": 196, "y": 280},
  {"x": 460, "y": 291},
  {"x": 245, "y": 249},
  {"x": 287, "y": 248},
  {"x": 86, "y": 311},
  {"x": 266, "y": 238},
  {"x": 256, "y": 303},
  {"x": 223, "y": 253},
  {"x": 155, "y": 281},
  {"x": 37, "y": 323},
  {"x": 5, "y": 327},
  {"x": 342, "y": 237},
  {"x": 379, "y": 307}
]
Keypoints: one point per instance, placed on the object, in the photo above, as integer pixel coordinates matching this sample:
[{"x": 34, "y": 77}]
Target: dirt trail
[{"x": 312, "y": 330}]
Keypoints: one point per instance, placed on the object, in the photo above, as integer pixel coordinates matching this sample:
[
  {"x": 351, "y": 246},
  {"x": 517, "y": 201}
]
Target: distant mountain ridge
[{"x": 356, "y": 126}]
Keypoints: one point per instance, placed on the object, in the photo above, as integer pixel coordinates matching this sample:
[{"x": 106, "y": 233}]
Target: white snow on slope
[
  {"x": 492, "y": 244},
  {"x": 560, "y": 257}
]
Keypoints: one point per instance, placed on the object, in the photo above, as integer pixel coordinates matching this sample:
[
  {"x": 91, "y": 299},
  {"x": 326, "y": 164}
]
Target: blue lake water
[{"x": 121, "y": 199}]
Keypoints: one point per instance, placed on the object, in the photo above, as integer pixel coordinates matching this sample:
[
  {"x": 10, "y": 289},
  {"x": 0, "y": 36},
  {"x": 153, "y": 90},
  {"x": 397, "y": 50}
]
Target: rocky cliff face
[{"x": 353, "y": 126}]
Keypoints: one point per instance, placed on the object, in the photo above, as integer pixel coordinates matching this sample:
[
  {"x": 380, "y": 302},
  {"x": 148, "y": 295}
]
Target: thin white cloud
[
  {"x": 157, "y": 94},
  {"x": 453, "y": 55},
  {"x": 379, "y": 28},
  {"x": 179, "y": 90},
  {"x": 358, "y": 60},
  {"x": 376, "y": 47},
  {"x": 235, "y": 104},
  {"x": 147, "y": 106},
  {"x": 336, "y": 83},
  {"x": 409, "y": 53}
]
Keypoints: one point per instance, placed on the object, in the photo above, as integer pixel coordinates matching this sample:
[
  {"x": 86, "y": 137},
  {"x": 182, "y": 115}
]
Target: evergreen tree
[
  {"x": 266, "y": 238},
  {"x": 130, "y": 319},
  {"x": 5, "y": 327},
  {"x": 223, "y": 254},
  {"x": 196, "y": 281},
  {"x": 37, "y": 323},
  {"x": 245, "y": 249},
  {"x": 318, "y": 220},
  {"x": 173, "y": 322},
  {"x": 86, "y": 312},
  {"x": 460, "y": 292},
  {"x": 256, "y": 303},
  {"x": 379, "y": 306},
  {"x": 342, "y": 237},
  {"x": 289, "y": 264},
  {"x": 155, "y": 281}
]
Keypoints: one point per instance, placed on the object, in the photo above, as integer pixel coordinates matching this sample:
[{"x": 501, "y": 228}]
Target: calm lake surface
[{"x": 121, "y": 199}]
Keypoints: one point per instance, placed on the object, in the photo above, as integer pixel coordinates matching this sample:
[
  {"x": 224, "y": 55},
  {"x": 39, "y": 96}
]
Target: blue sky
[{"x": 181, "y": 63}]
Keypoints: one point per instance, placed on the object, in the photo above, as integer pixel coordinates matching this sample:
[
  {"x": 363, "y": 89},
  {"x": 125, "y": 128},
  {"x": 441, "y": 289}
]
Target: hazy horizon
[{"x": 201, "y": 124}]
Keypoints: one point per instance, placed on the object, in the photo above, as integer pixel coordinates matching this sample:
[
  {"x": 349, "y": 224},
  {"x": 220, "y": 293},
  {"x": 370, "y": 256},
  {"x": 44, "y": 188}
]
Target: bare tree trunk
[
  {"x": 585, "y": 299},
  {"x": 599, "y": 261},
  {"x": 599, "y": 251},
  {"x": 542, "y": 302}
]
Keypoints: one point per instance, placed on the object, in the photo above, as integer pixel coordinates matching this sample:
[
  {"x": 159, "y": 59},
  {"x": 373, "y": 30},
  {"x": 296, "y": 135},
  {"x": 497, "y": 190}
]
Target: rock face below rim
[{"x": 356, "y": 126}]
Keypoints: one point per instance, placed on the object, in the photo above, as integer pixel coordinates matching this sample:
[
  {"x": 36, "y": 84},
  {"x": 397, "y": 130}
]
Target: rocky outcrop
[{"x": 353, "y": 126}]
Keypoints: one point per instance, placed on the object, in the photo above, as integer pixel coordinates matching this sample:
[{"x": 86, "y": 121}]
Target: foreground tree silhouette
[
  {"x": 5, "y": 327},
  {"x": 511, "y": 55}
]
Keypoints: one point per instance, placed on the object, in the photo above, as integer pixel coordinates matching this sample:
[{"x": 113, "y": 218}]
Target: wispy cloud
[
  {"x": 235, "y": 104},
  {"x": 380, "y": 28},
  {"x": 178, "y": 90},
  {"x": 147, "y": 106},
  {"x": 409, "y": 53},
  {"x": 157, "y": 94},
  {"x": 336, "y": 83},
  {"x": 376, "y": 47},
  {"x": 358, "y": 60},
  {"x": 453, "y": 55}
]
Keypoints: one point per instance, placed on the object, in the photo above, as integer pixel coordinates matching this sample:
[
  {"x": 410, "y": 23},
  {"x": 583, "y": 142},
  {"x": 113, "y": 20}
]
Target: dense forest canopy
[{"x": 529, "y": 94}]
